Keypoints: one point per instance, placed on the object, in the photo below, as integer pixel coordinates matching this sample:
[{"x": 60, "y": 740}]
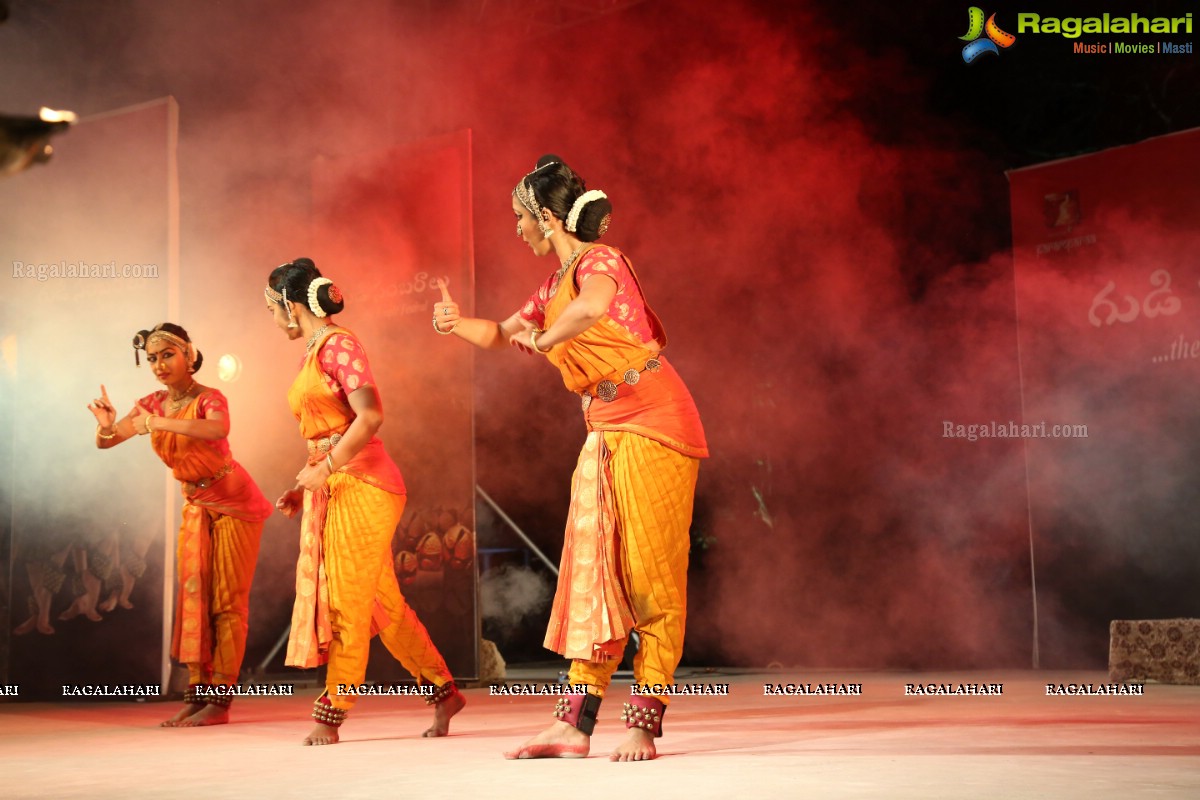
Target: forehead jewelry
[{"x": 189, "y": 349}]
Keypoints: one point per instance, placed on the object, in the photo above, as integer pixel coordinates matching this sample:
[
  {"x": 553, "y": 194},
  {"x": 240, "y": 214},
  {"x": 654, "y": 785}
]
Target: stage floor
[{"x": 882, "y": 744}]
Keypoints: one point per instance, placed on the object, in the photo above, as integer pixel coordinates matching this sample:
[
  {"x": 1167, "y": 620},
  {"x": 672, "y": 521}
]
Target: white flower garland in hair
[
  {"x": 314, "y": 305},
  {"x": 577, "y": 207}
]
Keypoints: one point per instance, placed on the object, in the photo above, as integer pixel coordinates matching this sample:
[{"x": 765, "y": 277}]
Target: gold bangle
[
  {"x": 112, "y": 435},
  {"x": 148, "y": 418},
  {"x": 533, "y": 341},
  {"x": 329, "y": 462},
  {"x": 442, "y": 332}
]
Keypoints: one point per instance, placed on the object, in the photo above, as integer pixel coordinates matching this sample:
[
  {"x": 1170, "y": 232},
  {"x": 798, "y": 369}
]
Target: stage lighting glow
[
  {"x": 26, "y": 140},
  {"x": 229, "y": 367}
]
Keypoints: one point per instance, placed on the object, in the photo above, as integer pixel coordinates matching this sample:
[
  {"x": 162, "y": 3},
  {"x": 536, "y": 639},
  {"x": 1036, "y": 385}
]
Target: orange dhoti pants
[
  {"x": 357, "y": 554},
  {"x": 653, "y": 488},
  {"x": 234, "y": 555}
]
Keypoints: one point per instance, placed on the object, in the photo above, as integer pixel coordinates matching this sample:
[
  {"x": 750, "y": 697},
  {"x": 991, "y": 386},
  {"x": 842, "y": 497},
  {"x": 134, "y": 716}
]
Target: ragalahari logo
[{"x": 976, "y": 28}]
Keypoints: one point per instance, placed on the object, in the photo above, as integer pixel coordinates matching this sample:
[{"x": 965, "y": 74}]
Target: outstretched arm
[
  {"x": 583, "y": 312},
  {"x": 480, "y": 332}
]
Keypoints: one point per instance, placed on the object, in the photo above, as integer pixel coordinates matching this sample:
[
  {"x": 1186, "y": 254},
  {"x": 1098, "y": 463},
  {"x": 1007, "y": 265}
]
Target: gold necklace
[
  {"x": 175, "y": 403},
  {"x": 312, "y": 340},
  {"x": 566, "y": 265}
]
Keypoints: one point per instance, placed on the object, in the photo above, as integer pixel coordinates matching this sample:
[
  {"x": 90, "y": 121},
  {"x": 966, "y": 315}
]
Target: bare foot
[
  {"x": 322, "y": 734},
  {"x": 188, "y": 710},
  {"x": 109, "y": 604},
  {"x": 81, "y": 606},
  {"x": 126, "y": 589},
  {"x": 27, "y": 626},
  {"x": 442, "y": 712},
  {"x": 210, "y": 714},
  {"x": 638, "y": 746},
  {"x": 560, "y": 740}
]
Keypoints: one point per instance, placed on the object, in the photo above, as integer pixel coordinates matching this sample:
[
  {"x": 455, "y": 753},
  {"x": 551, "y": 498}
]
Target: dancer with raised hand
[
  {"x": 223, "y": 515},
  {"x": 625, "y": 552}
]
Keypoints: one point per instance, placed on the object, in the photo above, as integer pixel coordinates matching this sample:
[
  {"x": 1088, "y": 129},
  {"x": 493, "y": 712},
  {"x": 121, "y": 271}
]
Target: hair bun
[
  {"x": 594, "y": 220},
  {"x": 330, "y": 297}
]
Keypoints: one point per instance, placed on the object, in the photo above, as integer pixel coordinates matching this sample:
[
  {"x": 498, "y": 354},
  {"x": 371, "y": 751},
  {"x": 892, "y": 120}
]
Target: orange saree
[
  {"x": 346, "y": 588},
  {"x": 223, "y": 514},
  {"x": 624, "y": 556}
]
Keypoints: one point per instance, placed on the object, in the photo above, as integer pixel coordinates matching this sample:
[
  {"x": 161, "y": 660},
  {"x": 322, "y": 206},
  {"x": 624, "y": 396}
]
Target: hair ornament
[
  {"x": 577, "y": 207},
  {"x": 525, "y": 195},
  {"x": 143, "y": 339},
  {"x": 314, "y": 305}
]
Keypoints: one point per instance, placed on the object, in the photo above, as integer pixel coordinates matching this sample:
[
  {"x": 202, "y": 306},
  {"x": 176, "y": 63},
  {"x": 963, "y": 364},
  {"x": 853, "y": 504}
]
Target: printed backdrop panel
[
  {"x": 388, "y": 225},
  {"x": 87, "y": 238},
  {"x": 1108, "y": 304}
]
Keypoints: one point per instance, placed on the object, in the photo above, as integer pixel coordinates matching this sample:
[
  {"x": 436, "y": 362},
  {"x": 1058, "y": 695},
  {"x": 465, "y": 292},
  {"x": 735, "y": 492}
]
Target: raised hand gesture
[
  {"x": 445, "y": 312},
  {"x": 103, "y": 410}
]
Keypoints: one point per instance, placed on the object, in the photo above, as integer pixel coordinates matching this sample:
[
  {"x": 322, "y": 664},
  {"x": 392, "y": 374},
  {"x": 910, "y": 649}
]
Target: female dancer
[
  {"x": 624, "y": 560},
  {"x": 223, "y": 514},
  {"x": 352, "y": 496}
]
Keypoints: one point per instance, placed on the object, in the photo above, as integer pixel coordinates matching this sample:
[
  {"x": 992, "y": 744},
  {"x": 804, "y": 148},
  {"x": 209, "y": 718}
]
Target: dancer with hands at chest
[{"x": 352, "y": 497}]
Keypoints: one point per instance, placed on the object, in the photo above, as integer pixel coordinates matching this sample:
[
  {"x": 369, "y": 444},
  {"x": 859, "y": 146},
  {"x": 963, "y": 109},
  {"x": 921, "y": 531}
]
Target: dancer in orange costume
[
  {"x": 624, "y": 562},
  {"x": 223, "y": 514},
  {"x": 352, "y": 496}
]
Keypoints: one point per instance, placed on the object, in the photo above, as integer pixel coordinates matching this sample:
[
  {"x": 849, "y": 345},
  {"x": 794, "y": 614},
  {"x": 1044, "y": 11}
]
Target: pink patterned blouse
[
  {"x": 627, "y": 307},
  {"x": 345, "y": 366}
]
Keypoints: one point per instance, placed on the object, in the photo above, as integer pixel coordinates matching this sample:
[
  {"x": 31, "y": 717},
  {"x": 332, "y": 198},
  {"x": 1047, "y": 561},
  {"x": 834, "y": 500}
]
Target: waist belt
[
  {"x": 190, "y": 487},
  {"x": 323, "y": 446},
  {"x": 608, "y": 390}
]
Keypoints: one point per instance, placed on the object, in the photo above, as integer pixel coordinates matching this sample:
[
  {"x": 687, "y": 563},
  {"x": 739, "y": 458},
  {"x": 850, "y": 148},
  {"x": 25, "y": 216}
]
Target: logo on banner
[
  {"x": 1061, "y": 210},
  {"x": 983, "y": 37}
]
